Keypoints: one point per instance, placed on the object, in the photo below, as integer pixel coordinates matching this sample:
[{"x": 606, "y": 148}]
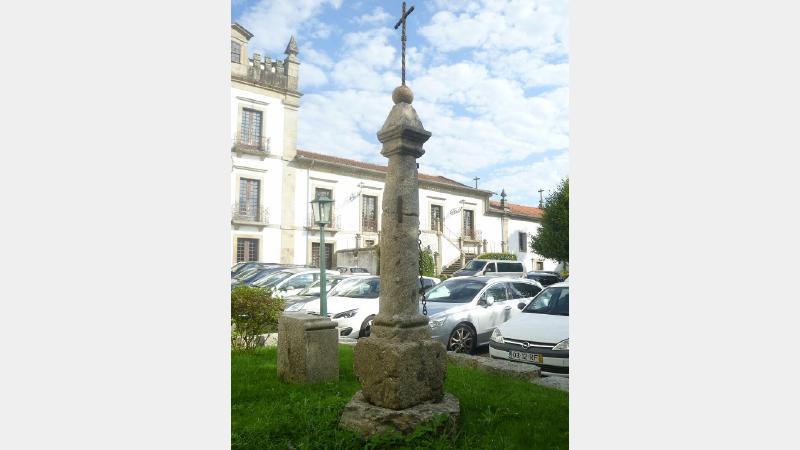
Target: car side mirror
[
  {"x": 489, "y": 300},
  {"x": 521, "y": 305}
]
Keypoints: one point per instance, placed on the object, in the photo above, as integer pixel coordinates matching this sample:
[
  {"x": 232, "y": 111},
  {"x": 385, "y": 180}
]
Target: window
[
  {"x": 300, "y": 281},
  {"x": 523, "y": 241},
  {"x": 236, "y": 52},
  {"x": 436, "y": 218},
  {"x": 250, "y": 133},
  {"x": 498, "y": 292},
  {"x": 523, "y": 290},
  {"x": 490, "y": 268},
  {"x": 246, "y": 249},
  {"x": 315, "y": 255},
  {"x": 369, "y": 242},
  {"x": 249, "y": 198},
  {"x": 322, "y": 192},
  {"x": 552, "y": 300},
  {"x": 539, "y": 265},
  {"x": 509, "y": 267},
  {"x": 369, "y": 213},
  {"x": 455, "y": 290},
  {"x": 469, "y": 224}
]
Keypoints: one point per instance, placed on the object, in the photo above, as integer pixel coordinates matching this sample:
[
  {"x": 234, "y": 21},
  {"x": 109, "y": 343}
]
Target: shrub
[
  {"x": 426, "y": 264},
  {"x": 254, "y": 312},
  {"x": 503, "y": 256}
]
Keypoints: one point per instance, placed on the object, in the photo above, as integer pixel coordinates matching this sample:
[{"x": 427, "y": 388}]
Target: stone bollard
[{"x": 308, "y": 349}]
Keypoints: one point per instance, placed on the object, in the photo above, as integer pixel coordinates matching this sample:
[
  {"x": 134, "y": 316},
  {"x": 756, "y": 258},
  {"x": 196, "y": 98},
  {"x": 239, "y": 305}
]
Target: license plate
[{"x": 527, "y": 357}]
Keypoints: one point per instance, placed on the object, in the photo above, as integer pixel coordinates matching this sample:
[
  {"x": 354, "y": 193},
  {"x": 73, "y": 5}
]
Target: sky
[{"x": 490, "y": 82}]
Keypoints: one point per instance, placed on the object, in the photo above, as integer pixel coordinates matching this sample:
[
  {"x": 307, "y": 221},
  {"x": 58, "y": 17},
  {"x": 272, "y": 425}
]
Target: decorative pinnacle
[
  {"x": 291, "y": 48},
  {"x": 402, "y": 94},
  {"x": 503, "y": 193}
]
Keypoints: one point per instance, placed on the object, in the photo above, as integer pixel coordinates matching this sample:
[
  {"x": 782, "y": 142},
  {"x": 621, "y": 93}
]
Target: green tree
[{"x": 552, "y": 239}]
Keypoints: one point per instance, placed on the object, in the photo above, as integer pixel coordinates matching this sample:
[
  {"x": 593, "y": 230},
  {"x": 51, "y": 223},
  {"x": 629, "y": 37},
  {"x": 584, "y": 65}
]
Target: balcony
[
  {"x": 251, "y": 144},
  {"x": 243, "y": 214},
  {"x": 335, "y": 224},
  {"x": 369, "y": 225}
]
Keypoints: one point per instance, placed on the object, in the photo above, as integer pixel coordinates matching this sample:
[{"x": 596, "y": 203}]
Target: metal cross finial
[
  {"x": 403, "y": 37},
  {"x": 476, "y": 181},
  {"x": 541, "y": 201}
]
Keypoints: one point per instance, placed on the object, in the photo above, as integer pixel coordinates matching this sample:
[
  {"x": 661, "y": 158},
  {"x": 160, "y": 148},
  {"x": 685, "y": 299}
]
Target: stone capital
[{"x": 403, "y": 132}]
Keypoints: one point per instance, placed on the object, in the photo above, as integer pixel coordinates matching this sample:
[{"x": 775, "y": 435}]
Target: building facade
[{"x": 273, "y": 183}]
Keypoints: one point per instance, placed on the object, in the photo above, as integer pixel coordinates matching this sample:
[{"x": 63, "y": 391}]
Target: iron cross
[
  {"x": 476, "y": 181},
  {"x": 403, "y": 37}
]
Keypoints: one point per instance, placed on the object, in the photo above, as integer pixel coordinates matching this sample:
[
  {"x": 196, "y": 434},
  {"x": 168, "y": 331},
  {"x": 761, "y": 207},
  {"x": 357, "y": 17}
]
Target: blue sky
[{"x": 490, "y": 81}]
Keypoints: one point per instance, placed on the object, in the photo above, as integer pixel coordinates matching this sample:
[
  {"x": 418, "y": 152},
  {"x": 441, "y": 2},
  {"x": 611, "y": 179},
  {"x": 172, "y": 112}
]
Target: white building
[{"x": 273, "y": 184}]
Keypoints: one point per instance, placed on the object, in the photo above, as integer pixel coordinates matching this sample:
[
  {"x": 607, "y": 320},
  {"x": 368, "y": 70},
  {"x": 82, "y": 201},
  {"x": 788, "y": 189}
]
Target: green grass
[{"x": 496, "y": 412}]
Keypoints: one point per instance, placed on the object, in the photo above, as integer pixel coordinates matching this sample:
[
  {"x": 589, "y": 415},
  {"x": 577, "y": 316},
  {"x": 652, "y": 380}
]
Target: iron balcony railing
[
  {"x": 333, "y": 225},
  {"x": 369, "y": 224},
  {"x": 251, "y": 143},
  {"x": 243, "y": 212}
]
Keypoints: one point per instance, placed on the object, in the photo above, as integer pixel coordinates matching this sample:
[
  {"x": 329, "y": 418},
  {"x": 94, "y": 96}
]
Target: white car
[
  {"x": 540, "y": 334},
  {"x": 290, "y": 281},
  {"x": 353, "y": 303}
]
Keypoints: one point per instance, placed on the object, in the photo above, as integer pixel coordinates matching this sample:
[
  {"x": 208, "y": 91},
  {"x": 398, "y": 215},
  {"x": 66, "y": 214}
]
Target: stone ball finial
[{"x": 402, "y": 94}]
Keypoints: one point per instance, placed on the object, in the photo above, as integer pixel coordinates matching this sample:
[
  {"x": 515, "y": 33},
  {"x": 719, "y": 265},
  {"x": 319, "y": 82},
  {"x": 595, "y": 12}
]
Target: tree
[{"x": 552, "y": 239}]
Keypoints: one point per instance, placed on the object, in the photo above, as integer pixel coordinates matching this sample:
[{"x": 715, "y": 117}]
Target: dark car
[{"x": 545, "y": 278}]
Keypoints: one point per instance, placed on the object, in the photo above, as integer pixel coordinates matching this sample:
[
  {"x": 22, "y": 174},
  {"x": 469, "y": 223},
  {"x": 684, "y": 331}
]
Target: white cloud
[
  {"x": 377, "y": 16},
  {"x": 312, "y": 76},
  {"x": 273, "y": 21}
]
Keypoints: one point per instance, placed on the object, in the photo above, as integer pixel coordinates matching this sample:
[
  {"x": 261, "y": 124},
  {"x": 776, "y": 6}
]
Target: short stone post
[
  {"x": 400, "y": 368},
  {"x": 308, "y": 349}
]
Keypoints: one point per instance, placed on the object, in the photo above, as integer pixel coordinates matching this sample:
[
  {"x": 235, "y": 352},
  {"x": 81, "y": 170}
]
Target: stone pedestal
[
  {"x": 368, "y": 419},
  {"x": 308, "y": 349},
  {"x": 398, "y": 375}
]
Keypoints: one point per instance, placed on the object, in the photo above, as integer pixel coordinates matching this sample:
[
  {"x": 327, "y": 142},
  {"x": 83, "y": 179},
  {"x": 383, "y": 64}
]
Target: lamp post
[{"x": 321, "y": 209}]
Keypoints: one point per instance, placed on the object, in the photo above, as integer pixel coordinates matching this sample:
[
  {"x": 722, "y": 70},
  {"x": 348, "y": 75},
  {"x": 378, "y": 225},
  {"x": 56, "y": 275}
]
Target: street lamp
[{"x": 321, "y": 209}]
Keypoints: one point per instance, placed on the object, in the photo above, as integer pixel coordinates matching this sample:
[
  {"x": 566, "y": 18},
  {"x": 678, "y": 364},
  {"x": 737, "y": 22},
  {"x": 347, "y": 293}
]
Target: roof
[
  {"x": 376, "y": 167},
  {"x": 521, "y": 210},
  {"x": 238, "y": 27}
]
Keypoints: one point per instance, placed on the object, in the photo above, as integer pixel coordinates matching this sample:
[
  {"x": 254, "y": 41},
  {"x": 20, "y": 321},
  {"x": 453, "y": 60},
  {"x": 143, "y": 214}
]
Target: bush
[
  {"x": 503, "y": 256},
  {"x": 426, "y": 264},
  {"x": 254, "y": 312}
]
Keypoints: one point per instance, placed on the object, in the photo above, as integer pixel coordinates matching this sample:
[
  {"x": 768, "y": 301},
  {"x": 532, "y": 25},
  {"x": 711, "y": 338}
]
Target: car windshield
[
  {"x": 553, "y": 301},
  {"x": 358, "y": 270},
  {"x": 475, "y": 265},
  {"x": 455, "y": 291},
  {"x": 358, "y": 288},
  {"x": 272, "y": 279},
  {"x": 314, "y": 288}
]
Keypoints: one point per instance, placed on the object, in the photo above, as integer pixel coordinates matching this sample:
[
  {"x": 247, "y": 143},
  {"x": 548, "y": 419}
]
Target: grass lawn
[{"x": 496, "y": 412}]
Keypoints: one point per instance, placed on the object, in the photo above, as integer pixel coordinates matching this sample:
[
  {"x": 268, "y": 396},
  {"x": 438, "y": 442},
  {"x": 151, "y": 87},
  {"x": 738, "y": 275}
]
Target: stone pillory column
[{"x": 400, "y": 368}]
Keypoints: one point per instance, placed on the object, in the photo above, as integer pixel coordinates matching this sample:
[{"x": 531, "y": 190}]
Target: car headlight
[
  {"x": 563, "y": 345},
  {"x": 295, "y": 307},
  {"x": 346, "y": 314},
  {"x": 435, "y": 323},
  {"x": 497, "y": 336}
]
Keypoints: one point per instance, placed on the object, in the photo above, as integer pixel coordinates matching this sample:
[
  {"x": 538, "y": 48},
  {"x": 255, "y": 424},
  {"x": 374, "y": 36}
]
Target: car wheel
[
  {"x": 462, "y": 340},
  {"x": 366, "y": 327}
]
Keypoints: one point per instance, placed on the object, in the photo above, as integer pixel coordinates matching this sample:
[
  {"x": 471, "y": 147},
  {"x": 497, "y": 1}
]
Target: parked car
[
  {"x": 492, "y": 268},
  {"x": 429, "y": 282},
  {"x": 352, "y": 270},
  {"x": 544, "y": 277},
  {"x": 353, "y": 303},
  {"x": 312, "y": 291},
  {"x": 290, "y": 281},
  {"x": 464, "y": 311},
  {"x": 540, "y": 334},
  {"x": 247, "y": 269},
  {"x": 253, "y": 274}
]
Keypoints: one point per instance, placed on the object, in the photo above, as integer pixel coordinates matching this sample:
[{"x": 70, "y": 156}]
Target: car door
[{"x": 486, "y": 316}]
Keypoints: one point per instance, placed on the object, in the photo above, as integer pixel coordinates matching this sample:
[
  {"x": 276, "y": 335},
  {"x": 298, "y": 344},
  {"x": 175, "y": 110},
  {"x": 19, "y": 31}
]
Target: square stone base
[
  {"x": 308, "y": 349},
  {"x": 399, "y": 374},
  {"x": 368, "y": 420}
]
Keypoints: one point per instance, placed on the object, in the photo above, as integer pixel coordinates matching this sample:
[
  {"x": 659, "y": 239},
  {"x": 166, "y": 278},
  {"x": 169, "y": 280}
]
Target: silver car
[
  {"x": 492, "y": 268},
  {"x": 463, "y": 311}
]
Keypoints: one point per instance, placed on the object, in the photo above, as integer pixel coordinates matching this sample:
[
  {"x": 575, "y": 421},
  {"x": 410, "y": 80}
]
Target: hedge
[{"x": 503, "y": 256}]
